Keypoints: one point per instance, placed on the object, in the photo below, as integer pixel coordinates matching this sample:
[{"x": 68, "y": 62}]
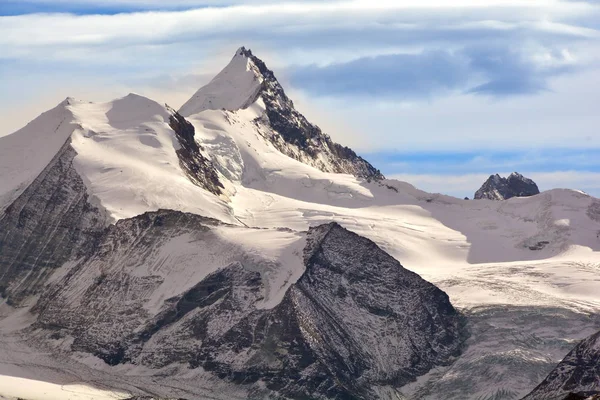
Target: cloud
[
  {"x": 411, "y": 21},
  {"x": 403, "y": 48},
  {"x": 499, "y": 70},
  {"x": 565, "y": 116},
  {"x": 453, "y": 185},
  {"x": 388, "y": 75},
  {"x": 511, "y": 86},
  {"x": 113, "y": 7},
  {"x": 359, "y": 4}
]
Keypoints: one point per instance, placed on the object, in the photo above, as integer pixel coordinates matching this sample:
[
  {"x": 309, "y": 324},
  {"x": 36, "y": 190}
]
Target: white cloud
[
  {"x": 564, "y": 117},
  {"x": 355, "y": 3},
  {"x": 454, "y": 185},
  {"x": 28, "y": 35}
]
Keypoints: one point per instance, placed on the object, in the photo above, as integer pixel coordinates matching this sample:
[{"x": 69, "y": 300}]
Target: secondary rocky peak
[
  {"x": 499, "y": 188},
  {"x": 522, "y": 186}
]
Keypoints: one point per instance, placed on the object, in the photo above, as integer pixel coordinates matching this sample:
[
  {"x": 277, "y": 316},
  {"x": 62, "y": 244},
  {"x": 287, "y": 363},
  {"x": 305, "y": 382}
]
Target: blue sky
[{"x": 435, "y": 92}]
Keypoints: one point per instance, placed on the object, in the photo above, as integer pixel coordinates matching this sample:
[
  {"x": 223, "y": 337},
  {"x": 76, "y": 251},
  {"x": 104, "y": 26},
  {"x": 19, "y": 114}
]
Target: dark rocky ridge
[
  {"x": 583, "y": 396},
  {"x": 291, "y": 127},
  {"x": 151, "y": 398},
  {"x": 498, "y": 188},
  {"x": 197, "y": 167},
  {"x": 102, "y": 318},
  {"x": 577, "y": 375},
  {"x": 324, "y": 340},
  {"x": 51, "y": 222}
]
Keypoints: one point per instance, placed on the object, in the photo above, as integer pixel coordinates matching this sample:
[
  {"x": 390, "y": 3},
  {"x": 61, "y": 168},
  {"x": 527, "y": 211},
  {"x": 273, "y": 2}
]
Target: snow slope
[
  {"x": 234, "y": 88},
  {"x": 24, "y": 154},
  {"x": 127, "y": 155},
  {"x": 19, "y": 388},
  {"x": 511, "y": 265}
]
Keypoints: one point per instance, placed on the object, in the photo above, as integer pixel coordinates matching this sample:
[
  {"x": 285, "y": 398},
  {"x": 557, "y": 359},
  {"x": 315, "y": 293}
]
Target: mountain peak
[
  {"x": 67, "y": 102},
  {"x": 242, "y": 51},
  {"x": 236, "y": 87},
  {"x": 244, "y": 81},
  {"x": 498, "y": 188}
]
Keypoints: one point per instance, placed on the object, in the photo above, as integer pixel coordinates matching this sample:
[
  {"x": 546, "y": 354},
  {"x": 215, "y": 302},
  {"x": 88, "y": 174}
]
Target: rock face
[
  {"x": 51, "y": 222},
  {"x": 356, "y": 320},
  {"x": 197, "y": 167},
  {"x": 247, "y": 80},
  {"x": 498, "y": 188},
  {"x": 577, "y": 376},
  {"x": 582, "y": 396}
]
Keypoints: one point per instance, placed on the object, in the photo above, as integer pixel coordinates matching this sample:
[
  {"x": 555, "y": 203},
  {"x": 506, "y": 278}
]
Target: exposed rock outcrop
[
  {"x": 198, "y": 168},
  {"x": 498, "y": 188},
  {"x": 356, "y": 320},
  {"x": 577, "y": 376},
  {"x": 51, "y": 222}
]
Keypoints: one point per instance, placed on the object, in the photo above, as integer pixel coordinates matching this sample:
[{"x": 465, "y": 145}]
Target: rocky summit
[
  {"x": 499, "y": 188},
  {"x": 246, "y": 80}
]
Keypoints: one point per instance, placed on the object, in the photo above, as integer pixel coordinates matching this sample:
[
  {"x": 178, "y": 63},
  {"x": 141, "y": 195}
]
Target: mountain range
[{"x": 231, "y": 249}]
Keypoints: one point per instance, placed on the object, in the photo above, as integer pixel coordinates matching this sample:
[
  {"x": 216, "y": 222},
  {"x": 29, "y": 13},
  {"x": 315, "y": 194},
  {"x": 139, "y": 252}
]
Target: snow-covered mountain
[
  {"x": 247, "y": 82},
  {"x": 209, "y": 253}
]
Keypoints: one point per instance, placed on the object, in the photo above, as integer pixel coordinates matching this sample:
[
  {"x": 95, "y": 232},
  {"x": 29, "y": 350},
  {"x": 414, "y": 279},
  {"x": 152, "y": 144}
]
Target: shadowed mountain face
[
  {"x": 498, "y": 188},
  {"x": 577, "y": 376},
  {"x": 197, "y": 168},
  {"x": 50, "y": 223},
  {"x": 354, "y": 321},
  {"x": 582, "y": 396}
]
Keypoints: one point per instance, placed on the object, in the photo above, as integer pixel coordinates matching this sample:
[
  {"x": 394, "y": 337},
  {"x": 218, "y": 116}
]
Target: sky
[{"x": 439, "y": 93}]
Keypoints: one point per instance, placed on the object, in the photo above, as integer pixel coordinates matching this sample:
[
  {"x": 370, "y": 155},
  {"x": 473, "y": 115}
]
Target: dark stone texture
[
  {"x": 50, "y": 223},
  {"x": 578, "y": 374},
  {"x": 197, "y": 167},
  {"x": 104, "y": 318},
  {"x": 325, "y": 339},
  {"x": 583, "y": 396},
  {"x": 498, "y": 188},
  {"x": 291, "y": 127},
  {"x": 355, "y": 320}
]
